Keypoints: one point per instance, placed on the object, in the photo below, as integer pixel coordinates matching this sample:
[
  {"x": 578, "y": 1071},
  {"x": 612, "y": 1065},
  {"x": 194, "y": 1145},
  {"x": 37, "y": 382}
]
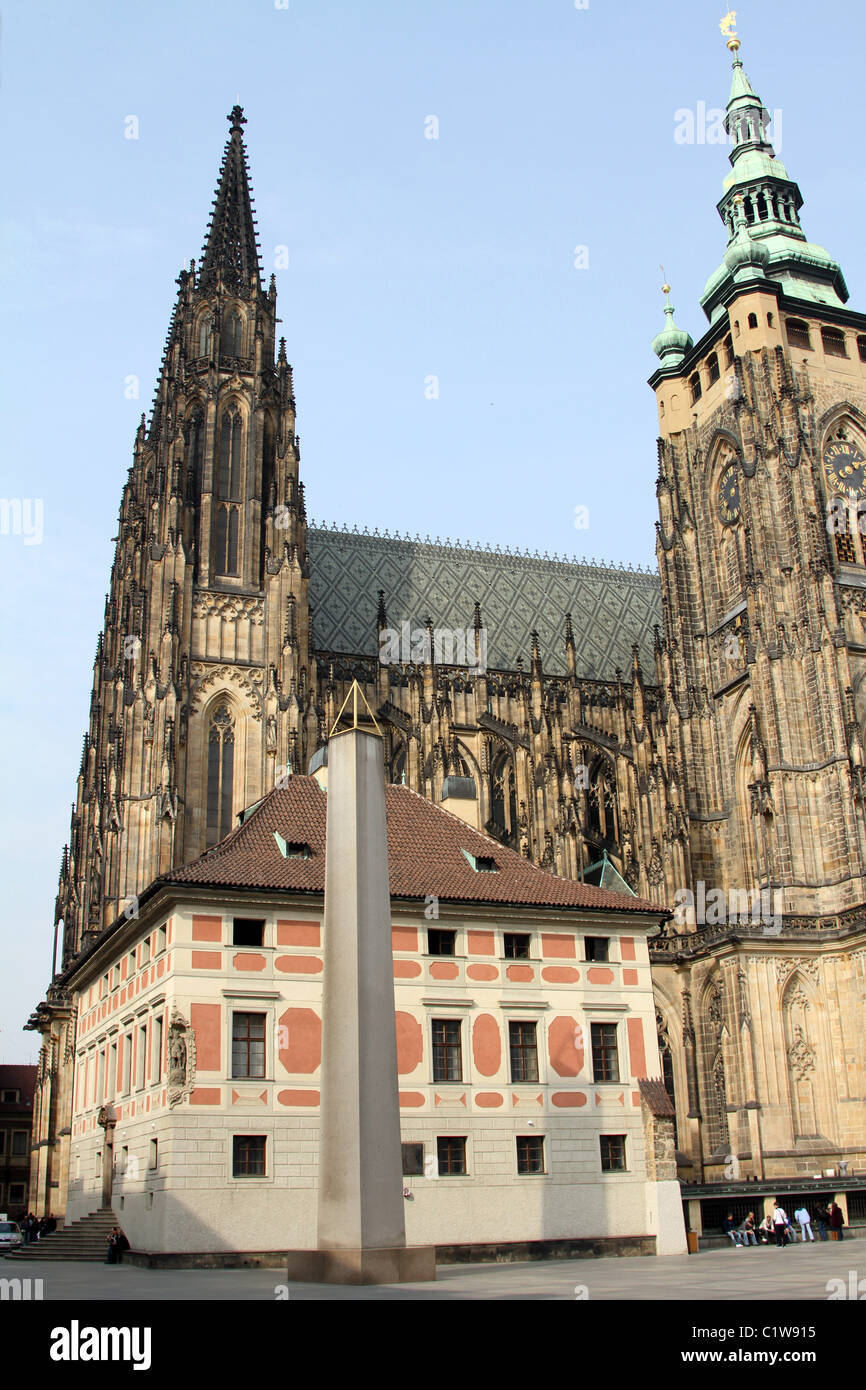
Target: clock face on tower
[
  {"x": 729, "y": 495},
  {"x": 846, "y": 468}
]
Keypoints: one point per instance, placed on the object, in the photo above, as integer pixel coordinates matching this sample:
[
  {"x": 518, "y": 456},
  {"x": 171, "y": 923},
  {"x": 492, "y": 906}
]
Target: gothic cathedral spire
[{"x": 203, "y": 689}]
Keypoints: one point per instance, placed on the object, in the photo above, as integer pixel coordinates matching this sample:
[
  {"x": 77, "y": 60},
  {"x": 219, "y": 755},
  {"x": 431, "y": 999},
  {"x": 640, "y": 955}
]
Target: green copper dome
[
  {"x": 745, "y": 257},
  {"x": 672, "y": 344}
]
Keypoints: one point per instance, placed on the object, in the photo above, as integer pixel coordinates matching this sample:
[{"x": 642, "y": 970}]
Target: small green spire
[{"x": 672, "y": 344}]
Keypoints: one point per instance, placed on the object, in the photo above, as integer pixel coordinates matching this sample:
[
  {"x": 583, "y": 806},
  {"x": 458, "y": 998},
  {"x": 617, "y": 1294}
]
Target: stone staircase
[{"x": 85, "y": 1239}]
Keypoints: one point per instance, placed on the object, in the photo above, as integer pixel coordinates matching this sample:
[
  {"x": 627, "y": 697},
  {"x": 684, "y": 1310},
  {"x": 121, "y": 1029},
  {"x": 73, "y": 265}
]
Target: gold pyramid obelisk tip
[{"x": 354, "y": 691}]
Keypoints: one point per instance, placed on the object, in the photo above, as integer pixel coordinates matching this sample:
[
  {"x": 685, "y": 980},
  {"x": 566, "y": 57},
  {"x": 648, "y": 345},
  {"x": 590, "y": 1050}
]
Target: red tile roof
[
  {"x": 653, "y": 1091},
  {"x": 425, "y": 856}
]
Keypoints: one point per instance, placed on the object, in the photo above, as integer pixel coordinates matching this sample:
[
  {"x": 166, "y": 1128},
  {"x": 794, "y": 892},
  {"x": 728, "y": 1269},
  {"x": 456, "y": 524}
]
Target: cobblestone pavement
[{"x": 796, "y": 1273}]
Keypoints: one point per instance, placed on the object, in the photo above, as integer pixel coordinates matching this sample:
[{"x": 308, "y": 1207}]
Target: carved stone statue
[{"x": 181, "y": 1059}]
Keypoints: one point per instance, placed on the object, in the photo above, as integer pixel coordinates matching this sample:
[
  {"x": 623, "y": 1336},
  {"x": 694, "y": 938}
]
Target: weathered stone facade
[{"x": 734, "y": 768}]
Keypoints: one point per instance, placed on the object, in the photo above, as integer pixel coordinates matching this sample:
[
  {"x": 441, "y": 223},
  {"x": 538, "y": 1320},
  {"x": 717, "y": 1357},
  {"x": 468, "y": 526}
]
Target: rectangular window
[
  {"x": 10, "y": 1098},
  {"x": 413, "y": 1160},
  {"x": 447, "y": 1052},
  {"x": 156, "y": 1059},
  {"x": 451, "y": 1155},
  {"x": 248, "y": 1155},
  {"x": 160, "y": 940},
  {"x": 100, "y": 1077},
  {"x": 153, "y": 1154},
  {"x": 440, "y": 942},
  {"x": 2, "y": 1142},
  {"x": 247, "y": 932},
  {"x": 605, "y": 1059},
  {"x": 141, "y": 1057},
  {"x": 248, "y": 1045},
  {"x": 597, "y": 948},
  {"x": 523, "y": 1047},
  {"x": 145, "y": 950},
  {"x": 612, "y": 1153},
  {"x": 530, "y": 1153},
  {"x": 111, "y": 1087},
  {"x": 127, "y": 1063},
  {"x": 19, "y": 1143},
  {"x": 516, "y": 945},
  {"x": 16, "y": 1194}
]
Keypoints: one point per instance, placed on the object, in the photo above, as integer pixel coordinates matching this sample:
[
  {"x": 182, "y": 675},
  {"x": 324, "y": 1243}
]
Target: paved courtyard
[{"x": 797, "y": 1273}]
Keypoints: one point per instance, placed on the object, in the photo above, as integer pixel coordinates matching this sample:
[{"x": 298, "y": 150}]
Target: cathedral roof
[
  {"x": 611, "y": 608},
  {"x": 429, "y": 854}
]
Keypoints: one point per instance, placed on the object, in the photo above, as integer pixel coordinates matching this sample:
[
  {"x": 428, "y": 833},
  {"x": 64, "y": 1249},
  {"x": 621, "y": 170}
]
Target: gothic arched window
[
  {"x": 715, "y": 1087},
  {"x": 226, "y": 541},
  {"x": 220, "y": 775},
  {"x": 195, "y": 453},
  {"x": 503, "y": 796},
  {"x": 398, "y": 767},
  {"x": 204, "y": 336},
  {"x": 233, "y": 336},
  {"x": 601, "y": 803},
  {"x": 667, "y": 1061},
  {"x": 228, "y": 490}
]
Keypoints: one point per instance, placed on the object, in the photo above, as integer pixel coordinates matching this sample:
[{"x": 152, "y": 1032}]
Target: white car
[{"x": 10, "y": 1235}]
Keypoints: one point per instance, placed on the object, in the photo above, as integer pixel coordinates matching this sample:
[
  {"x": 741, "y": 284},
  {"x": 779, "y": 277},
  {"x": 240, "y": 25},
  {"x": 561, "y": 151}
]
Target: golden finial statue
[
  {"x": 666, "y": 289},
  {"x": 727, "y": 26}
]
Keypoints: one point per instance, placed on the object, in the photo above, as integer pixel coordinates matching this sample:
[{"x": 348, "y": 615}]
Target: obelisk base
[{"x": 405, "y": 1264}]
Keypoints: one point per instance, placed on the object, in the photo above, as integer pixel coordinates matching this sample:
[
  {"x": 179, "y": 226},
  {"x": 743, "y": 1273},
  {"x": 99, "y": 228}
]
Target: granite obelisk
[{"x": 361, "y": 1231}]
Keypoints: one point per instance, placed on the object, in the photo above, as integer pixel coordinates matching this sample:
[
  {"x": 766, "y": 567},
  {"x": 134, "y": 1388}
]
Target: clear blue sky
[{"x": 409, "y": 257}]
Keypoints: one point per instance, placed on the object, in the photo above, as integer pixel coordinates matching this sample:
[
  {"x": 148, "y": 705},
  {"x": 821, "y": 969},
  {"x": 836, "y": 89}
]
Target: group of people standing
[
  {"x": 117, "y": 1243},
  {"x": 33, "y": 1229},
  {"x": 777, "y": 1226}
]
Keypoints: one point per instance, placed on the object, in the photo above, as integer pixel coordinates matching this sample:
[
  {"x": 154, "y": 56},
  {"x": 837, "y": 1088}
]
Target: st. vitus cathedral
[{"x": 696, "y": 737}]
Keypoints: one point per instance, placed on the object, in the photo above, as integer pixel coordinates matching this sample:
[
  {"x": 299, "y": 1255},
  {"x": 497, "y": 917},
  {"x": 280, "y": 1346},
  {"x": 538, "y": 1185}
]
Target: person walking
[
  {"x": 747, "y": 1230},
  {"x": 780, "y": 1224},
  {"x": 730, "y": 1229},
  {"x": 821, "y": 1220},
  {"x": 802, "y": 1216},
  {"x": 836, "y": 1221}
]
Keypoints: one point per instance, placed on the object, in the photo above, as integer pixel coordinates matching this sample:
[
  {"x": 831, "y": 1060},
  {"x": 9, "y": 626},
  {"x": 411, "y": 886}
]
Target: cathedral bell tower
[
  {"x": 203, "y": 689},
  {"x": 761, "y": 468}
]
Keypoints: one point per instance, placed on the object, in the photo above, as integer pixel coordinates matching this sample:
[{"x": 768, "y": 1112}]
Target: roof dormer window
[
  {"x": 293, "y": 849},
  {"x": 482, "y": 863}
]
